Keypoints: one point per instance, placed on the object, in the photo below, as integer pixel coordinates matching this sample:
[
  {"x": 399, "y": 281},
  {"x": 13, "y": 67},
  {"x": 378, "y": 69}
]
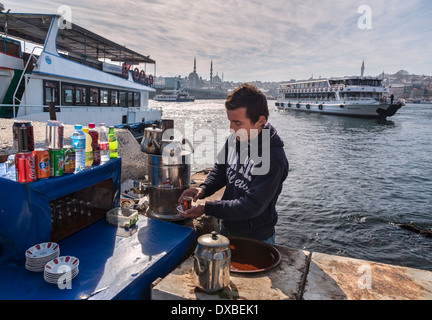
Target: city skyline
[{"x": 261, "y": 41}]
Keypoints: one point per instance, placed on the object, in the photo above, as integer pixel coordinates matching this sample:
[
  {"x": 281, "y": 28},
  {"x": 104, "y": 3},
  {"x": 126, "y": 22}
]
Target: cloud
[{"x": 271, "y": 40}]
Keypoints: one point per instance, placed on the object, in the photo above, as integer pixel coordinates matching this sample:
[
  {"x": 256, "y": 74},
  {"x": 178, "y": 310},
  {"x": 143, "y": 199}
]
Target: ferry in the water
[
  {"x": 174, "y": 96},
  {"x": 364, "y": 97},
  {"x": 71, "y": 72}
]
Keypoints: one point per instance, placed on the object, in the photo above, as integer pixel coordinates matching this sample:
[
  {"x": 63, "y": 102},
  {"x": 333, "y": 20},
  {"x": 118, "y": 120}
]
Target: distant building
[
  {"x": 194, "y": 80},
  {"x": 398, "y": 91},
  {"x": 174, "y": 83}
]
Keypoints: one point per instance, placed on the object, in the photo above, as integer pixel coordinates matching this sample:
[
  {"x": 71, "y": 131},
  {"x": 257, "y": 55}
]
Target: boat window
[
  {"x": 80, "y": 95},
  {"x": 114, "y": 98},
  {"x": 104, "y": 97},
  {"x": 94, "y": 96},
  {"x": 122, "y": 99},
  {"x": 51, "y": 92},
  {"x": 68, "y": 95},
  {"x": 136, "y": 99},
  {"x": 130, "y": 99},
  {"x": 11, "y": 47}
]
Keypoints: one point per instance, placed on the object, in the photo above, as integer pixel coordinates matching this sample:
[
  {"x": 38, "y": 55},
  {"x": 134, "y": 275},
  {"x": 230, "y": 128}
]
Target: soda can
[
  {"x": 56, "y": 162},
  {"x": 23, "y": 138},
  {"x": 42, "y": 158},
  {"x": 25, "y": 167},
  {"x": 69, "y": 159},
  {"x": 54, "y": 134}
]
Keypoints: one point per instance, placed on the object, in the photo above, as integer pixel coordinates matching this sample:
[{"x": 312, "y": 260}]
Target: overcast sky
[{"x": 271, "y": 40}]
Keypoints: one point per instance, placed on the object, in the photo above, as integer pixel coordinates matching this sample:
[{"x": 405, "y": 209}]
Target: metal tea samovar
[{"x": 169, "y": 171}]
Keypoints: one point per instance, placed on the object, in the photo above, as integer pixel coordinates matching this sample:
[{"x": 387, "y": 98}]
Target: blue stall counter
[
  {"x": 125, "y": 267},
  {"x": 25, "y": 213}
]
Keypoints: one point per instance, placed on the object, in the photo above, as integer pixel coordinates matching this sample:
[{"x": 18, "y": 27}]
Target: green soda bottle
[{"x": 113, "y": 144}]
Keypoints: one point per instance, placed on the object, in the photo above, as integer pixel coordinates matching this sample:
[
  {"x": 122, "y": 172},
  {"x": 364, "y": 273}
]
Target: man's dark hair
[{"x": 250, "y": 97}]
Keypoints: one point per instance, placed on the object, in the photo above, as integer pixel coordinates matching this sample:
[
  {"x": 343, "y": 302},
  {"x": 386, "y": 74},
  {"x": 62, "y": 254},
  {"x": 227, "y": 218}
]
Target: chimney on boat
[{"x": 362, "y": 69}]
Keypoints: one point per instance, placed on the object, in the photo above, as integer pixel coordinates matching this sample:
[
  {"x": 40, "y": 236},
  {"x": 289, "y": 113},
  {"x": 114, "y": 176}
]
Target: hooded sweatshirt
[{"x": 252, "y": 174}]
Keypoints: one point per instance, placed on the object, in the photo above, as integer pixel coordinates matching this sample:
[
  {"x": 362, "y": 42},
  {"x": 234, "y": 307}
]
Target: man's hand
[
  {"x": 195, "y": 193},
  {"x": 194, "y": 212}
]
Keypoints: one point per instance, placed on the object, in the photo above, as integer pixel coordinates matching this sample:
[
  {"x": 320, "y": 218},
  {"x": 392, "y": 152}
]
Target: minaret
[
  {"x": 211, "y": 73},
  {"x": 195, "y": 64},
  {"x": 362, "y": 69}
]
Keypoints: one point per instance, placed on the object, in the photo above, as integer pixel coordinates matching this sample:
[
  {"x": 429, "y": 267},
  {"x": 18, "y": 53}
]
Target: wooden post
[{"x": 52, "y": 111}]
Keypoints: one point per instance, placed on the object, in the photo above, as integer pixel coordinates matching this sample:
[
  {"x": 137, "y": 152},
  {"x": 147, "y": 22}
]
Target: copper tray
[{"x": 252, "y": 256}]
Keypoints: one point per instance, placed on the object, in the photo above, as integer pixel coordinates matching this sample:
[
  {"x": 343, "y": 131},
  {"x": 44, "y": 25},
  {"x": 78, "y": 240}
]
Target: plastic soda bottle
[
  {"x": 103, "y": 143},
  {"x": 95, "y": 143},
  {"x": 88, "y": 149},
  {"x": 113, "y": 144},
  {"x": 78, "y": 141}
]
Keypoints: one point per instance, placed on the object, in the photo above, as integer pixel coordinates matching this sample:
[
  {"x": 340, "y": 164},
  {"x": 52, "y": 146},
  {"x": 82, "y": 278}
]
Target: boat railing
[
  {"x": 71, "y": 108},
  {"x": 359, "y": 98},
  {"x": 14, "y": 98}
]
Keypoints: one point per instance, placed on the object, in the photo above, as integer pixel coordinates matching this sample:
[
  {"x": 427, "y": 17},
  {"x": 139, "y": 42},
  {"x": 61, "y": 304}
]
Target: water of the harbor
[{"x": 350, "y": 179}]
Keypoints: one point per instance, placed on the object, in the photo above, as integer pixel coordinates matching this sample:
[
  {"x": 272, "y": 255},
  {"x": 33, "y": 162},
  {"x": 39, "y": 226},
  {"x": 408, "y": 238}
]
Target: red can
[
  {"x": 25, "y": 167},
  {"x": 42, "y": 159}
]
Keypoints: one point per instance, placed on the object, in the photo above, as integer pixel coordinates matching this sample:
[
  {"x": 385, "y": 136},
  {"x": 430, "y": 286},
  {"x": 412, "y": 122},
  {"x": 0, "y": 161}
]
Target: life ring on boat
[
  {"x": 150, "y": 79},
  {"x": 142, "y": 76},
  {"x": 289, "y": 104},
  {"x": 298, "y": 105},
  {"x": 320, "y": 107},
  {"x": 308, "y": 106},
  {"x": 326, "y": 89},
  {"x": 135, "y": 74}
]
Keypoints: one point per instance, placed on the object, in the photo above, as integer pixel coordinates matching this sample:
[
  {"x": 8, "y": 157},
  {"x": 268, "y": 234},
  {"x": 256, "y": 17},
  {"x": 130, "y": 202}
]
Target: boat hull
[{"x": 358, "y": 110}]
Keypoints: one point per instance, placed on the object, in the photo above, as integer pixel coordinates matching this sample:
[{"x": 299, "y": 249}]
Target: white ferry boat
[
  {"x": 71, "y": 71},
  {"x": 364, "y": 97},
  {"x": 174, "y": 96}
]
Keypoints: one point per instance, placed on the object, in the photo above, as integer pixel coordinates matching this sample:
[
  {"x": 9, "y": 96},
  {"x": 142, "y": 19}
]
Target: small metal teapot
[
  {"x": 171, "y": 148},
  {"x": 212, "y": 263},
  {"x": 151, "y": 142}
]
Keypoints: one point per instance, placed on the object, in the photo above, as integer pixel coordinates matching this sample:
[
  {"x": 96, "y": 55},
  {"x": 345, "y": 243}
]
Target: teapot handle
[{"x": 200, "y": 269}]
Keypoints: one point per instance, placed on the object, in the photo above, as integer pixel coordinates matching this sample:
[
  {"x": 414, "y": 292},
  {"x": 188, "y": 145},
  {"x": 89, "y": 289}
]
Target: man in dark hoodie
[{"x": 252, "y": 167}]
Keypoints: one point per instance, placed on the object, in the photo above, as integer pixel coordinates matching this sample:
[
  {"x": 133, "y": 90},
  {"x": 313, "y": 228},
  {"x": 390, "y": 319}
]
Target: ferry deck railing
[
  {"x": 30, "y": 59},
  {"x": 75, "y": 108}
]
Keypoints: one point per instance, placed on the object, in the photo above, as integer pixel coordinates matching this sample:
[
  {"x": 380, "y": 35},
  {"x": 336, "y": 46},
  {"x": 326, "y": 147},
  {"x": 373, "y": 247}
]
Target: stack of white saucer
[
  {"x": 38, "y": 255},
  {"x": 61, "y": 269}
]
